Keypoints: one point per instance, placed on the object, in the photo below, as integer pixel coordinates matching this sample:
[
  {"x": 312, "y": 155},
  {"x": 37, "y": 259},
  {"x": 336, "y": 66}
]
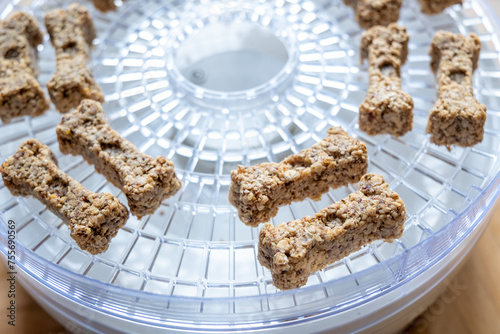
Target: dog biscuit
[
  {"x": 436, "y": 6},
  {"x": 386, "y": 108},
  {"x": 20, "y": 92},
  {"x": 258, "y": 191},
  {"x": 104, "y": 5},
  {"x": 145, "y": 181},
  {"x": 370, "y": 13},
  {"x": 456, "y": 118},
  {"x": 294, "y": 250},
  {"x": 93, "y": 218},
  {"x": 71, "y": 33}
]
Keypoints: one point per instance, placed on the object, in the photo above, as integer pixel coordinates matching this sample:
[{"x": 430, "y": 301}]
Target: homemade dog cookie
[
  {"x": 293, "y": 250},
  {"x": 71, "y": 33},
  {"x": 20, "y": 92},
  {"x": 370, "y": 13},
  {"x": 456, "y": 118},
  {"x": 386, "y": 108},
  {"x": 93, "y": 218},
  {"x": 436, "y": 6},
  {"x": 104, "y": 5},
  {"x": 145, "y": 181},
  {"x": 258, "y": 191}
]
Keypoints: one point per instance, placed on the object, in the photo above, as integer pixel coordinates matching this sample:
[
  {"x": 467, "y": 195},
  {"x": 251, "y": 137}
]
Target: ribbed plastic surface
[{"x": 171, "y": 92}]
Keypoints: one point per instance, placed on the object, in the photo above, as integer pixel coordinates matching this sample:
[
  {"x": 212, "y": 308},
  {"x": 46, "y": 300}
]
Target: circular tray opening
[{"x": 230, "y": 55}]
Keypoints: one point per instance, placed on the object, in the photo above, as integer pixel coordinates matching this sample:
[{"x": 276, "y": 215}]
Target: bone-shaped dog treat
[
  {"x": 371, "y": 13},
  {"x": 295, "y": 249},
  {"x": 104, "y": 5},
  {"x": 71, "y": 33},
  {"x": 436, "y": 6},
  {"x": 258, "y": 191},
  {"x": 456, "y": 118},
  {"x": 93, "y": 218},
  {"x": 386, "y": 108},
  {"x": 145, "y": 181},
  {"x": 20, "y": 92}
]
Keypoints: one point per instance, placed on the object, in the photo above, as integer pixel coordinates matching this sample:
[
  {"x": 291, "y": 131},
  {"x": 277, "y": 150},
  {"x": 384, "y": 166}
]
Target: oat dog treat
[
  {"x": 436, "y": 6},
  {"x": 386, "y": 108},
  {"x": 104, "y": 5},
  {"x": 71, "y": 33},
  {"x": 293, "y": 250},
  {"x": 144, "y": 180},
  {"x": 258, "y": 191},
  {"x": 457, "y": 118},
  {"x": 20, "y": 92},
  {"x": 370, "y": 13},
  {"x": 93, "y": 218}
]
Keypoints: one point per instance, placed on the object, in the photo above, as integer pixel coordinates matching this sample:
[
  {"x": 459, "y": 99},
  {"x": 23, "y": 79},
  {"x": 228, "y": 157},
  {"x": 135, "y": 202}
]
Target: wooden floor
[{"x": 475, "y": 306}]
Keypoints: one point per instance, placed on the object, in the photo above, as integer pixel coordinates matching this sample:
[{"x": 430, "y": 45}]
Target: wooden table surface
[{"x": 475, "y": 310}]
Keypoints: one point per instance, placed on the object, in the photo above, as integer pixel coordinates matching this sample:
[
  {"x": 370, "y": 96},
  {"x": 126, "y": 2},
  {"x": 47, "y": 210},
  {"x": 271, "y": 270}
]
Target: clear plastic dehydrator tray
[{"x": 213, "y": 84}]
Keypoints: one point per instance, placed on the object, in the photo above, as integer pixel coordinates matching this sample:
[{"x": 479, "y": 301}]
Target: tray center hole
[{"x": 231, "y": 56}]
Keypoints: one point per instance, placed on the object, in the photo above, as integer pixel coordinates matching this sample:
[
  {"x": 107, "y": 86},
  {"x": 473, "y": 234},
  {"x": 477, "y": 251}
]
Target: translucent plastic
[{"x": 169, "y": 73}]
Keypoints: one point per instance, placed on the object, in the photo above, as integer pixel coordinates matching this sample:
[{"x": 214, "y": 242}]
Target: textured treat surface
[
  {"x": 293, "y": 250},
  {"x": 20, "y": 92},
  {"x": 104, "y": 5},
  {"x": 436, "y": 6},
  {"x": 93, "y": 218},
  {"x": 456, "y": 118},
  {"x": 370, "y": 13},
  {"x": 146, "y": 181},
  {"x": 258, "y": 191},
  {"x": 71, "y": 33},
  {"x": 386, "y": 108}
]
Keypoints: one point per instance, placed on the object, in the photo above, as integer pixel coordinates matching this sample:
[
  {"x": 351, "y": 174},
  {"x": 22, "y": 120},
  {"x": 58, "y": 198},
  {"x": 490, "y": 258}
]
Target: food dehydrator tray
[{"x": 175, "y": 85}]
